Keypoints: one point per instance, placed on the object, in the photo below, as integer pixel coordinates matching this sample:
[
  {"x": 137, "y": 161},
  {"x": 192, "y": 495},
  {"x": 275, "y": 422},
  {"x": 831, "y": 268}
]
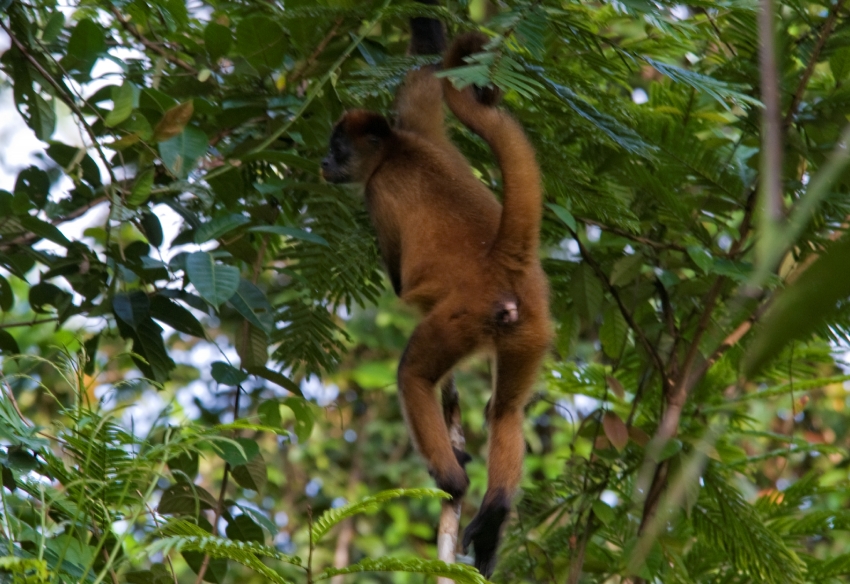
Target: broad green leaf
[
  {"x": 262, "y": 42},
  {"x": 169, "y": 312},
  {"x": 44, "y": 230},
  {"x": 237, "y": 451},
  {"x": 214, "y": 282},
  {"x": 227, "y": 374},
  {"x": 186, "y": 462},
  {"x": 132, "y": 308},
  {"x": 586, "y": 292},
  {"x": 44, "y": 294},
  {"x": 243, "y": 528},
  {"x": 276, "y": 377},
  {"x": 304, "y": 418},
  {"x": 839, "y": 62},
  {"x": 252, "y": 346},
  {"x": 251, "y": 475},
  {"x": 217, "y": 40},
  {"x": 269, "y": 412},
  {"x": 252, "y": 304},
  {"x": 181, "y": 153},
  {"x": 701, "y": 257},
  {"x": 8, "y": 344},
  {"x": 218, "y": 227},
  {"x": 806, "y": 304},
  {"x": 123, "y": 99},
  {"x": 86, "y": 44},
  {"x": 564, "y": 216},
  {"x": 626, "y": 269},
  {"x": 603, "y": 512},
  {"x": 614, "y": 331},
  {"x": 152, "y": 228},
  {"x": 34, "y": 184},
  {"x": 290, "y": 232},
  {"x": 183, "y": 499},
  {"x": 7, "y": 297},
  {"x": 141, "y": 188}
]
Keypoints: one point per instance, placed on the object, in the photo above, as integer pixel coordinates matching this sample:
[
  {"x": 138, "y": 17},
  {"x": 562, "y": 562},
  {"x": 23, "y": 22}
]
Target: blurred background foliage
[{"x": 199, "y": 350}]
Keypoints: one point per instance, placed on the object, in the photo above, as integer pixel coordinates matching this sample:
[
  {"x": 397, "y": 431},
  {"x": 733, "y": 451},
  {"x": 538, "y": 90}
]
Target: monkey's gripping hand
[{"x": 484, "y": 530}]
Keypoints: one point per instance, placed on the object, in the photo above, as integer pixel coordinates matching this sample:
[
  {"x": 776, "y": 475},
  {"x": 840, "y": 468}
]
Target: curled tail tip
[{"x": 463, "y": 46}]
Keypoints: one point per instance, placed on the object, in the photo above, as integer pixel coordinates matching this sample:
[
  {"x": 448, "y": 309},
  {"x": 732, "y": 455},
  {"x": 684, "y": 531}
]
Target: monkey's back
[{"x": 437, "y": 223}]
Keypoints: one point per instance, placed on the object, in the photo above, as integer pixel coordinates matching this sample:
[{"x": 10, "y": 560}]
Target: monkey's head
[{"x": 358, "y": 143}]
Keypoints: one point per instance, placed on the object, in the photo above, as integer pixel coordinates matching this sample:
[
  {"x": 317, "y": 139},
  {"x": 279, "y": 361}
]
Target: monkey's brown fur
[{"x": 466, "y": 262}]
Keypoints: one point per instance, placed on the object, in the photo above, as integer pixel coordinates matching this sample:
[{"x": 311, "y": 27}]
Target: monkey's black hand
[{"x": 484, "y": 530}]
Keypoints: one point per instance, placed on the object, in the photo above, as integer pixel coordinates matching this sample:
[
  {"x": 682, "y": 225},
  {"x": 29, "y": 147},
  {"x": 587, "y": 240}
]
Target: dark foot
[
  {"x": 484, "y": 531},
  {"x": 455, "y": 482}
]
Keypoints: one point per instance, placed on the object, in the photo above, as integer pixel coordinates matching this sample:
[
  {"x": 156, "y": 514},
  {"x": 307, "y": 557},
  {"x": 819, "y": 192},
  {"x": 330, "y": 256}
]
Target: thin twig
[
  {"x": 826, "y": 30},
  {"x": 219, "y": 508},
  {"x": 633, "y": 237},
  {"x": 299, "y": 72},
  {"x": 64, "y": 94},
  {"x": 447, "y": 532},
  {"x": 78, "y": 212},
  {"x": 33, "y": 322},
  {"x": 656, "y": 358},
  {"x": 128, "y": 26}
]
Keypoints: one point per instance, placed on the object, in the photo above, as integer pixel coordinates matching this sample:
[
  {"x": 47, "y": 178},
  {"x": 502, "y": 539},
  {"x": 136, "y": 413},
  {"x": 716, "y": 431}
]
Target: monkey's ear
[{"x": 377, "y": 126}]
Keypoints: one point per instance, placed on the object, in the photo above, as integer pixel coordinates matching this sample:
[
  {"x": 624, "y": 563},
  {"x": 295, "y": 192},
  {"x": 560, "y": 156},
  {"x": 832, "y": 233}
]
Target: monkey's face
[
  {"x": 357, "y": 147},
  {"x": 336, "y": 166}
]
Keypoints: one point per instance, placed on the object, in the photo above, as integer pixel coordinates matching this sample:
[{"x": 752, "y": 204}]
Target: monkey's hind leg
[
  {"x": 515, "y": 375},
  {"x": 433, "y": 349}
]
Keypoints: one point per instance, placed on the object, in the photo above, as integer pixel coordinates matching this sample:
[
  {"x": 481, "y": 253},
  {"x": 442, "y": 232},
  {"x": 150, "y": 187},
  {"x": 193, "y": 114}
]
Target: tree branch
[
  {"x": 128, "y": 26},
  {"x": 447, "y": 531},
  {"x": 299, "y": 72}
]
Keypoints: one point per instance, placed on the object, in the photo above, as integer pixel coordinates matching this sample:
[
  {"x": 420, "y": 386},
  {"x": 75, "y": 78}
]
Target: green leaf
[
  {"x": 132, "y": 308},
  {"x": 701, "y": 257},
  {"x": 269, "y": 412},
  {"x": 252, "y": 346},
  {"x": 227, "y": 374},
  {"x": 809, "y": 302},
  {"x": 237, "y": 451},
  {"x": 626, "y": 269},
  {"x": 8, "y": 344},
  {"x": 181, "y": 153},
  {"x": 367, "y": 505},
  {"x": 218, "y": 227},
  {"x": 276, "y": 377},
  {"x": 839, "y": 62},
  {"x": 251, "y": 475},
  {"x": 141, "y": 189},
  {"x": 216, "y": 568},
  {"x": 185, "y": 499},
  {"x": 262, "y": 42},
  {"x": 564, "y": 216},
  {"x": 45, "y": 293},
  {"x": 152, "y": 228},
  {"x": 614, "y": 332},
  {"x": 45, "y": 230},
  {"x": 7, "y": 297},
  {"x": 290, "y": 232},
  {"x": 86, "y": 45},
  {"x": 217, "y": 40},
  {"x": 34, "y": 184},
  {"x": 72, "y": 157},
  {"x": 304, "y": 418},
  {"x": 603, "y": 512},
  {"x": 169, "y": 312},
  {"x": 252, "y": 304},
  {"x": 458, "y": 573},
  {"x": 216, "y": 283},
  {"x": 186, "y": 463},
  {"x": 123, "y": 99},
  {"x": 586, "y": 292},
  {"x": 243, "y": 528}
]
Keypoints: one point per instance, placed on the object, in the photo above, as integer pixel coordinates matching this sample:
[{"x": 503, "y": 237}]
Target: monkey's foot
[
  {"x": 484, "y": 531},
  {"x": 455, "y": 481}
]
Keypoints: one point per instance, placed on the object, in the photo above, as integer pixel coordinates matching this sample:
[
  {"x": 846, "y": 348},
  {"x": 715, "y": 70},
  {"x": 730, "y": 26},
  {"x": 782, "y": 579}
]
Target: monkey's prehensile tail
[{"x": 519, "y": 228}]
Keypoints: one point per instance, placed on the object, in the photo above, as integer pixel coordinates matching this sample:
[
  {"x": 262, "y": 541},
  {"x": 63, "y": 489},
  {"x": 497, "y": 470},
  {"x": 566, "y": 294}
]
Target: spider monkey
[{"x": 469, "y": 264}]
